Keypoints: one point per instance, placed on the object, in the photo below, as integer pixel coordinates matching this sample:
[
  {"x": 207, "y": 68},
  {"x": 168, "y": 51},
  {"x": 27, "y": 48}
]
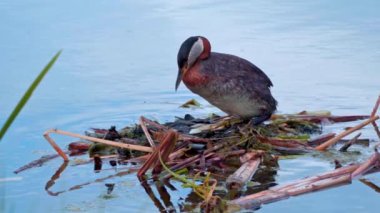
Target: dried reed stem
[
  {"x": 165, "y": 147},
  {"x": 376, "y": 107},
  {"x": 244, "y": 174},
  {"x": 333, "y": 141},
  {"x": 92, "y": 139},
  {"x": 374, "y": 111},
  {"x": 146, "y": 132}
]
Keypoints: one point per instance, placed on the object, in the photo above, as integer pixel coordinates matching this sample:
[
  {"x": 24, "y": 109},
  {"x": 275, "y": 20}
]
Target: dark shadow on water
[
  {"x": 370, "y": 184},
  {"x": 163, "y": 204}
]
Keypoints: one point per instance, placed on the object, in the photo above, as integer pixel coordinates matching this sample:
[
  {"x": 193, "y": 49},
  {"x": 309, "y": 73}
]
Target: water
[{"x": 119, "y": 62}]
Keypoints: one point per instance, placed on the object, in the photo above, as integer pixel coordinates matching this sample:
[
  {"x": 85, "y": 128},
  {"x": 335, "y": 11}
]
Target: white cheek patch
[{"x": 195, "y": 51}]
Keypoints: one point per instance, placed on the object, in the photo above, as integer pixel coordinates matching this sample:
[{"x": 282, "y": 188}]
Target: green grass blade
[{"x": 27, "y": 95}]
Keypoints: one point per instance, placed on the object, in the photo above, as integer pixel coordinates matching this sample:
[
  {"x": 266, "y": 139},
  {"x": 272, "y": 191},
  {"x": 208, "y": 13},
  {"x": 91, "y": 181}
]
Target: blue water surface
[{"x": 119, "y": 62}]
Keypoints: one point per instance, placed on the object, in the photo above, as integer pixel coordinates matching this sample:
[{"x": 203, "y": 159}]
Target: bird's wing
[
  {"x": 234, "y": 75},
  {"x": 230, "y": 66}
]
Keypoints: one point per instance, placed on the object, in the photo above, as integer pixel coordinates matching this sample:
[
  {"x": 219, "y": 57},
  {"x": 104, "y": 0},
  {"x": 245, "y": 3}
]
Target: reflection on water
[{"x": 119, "y": 62}]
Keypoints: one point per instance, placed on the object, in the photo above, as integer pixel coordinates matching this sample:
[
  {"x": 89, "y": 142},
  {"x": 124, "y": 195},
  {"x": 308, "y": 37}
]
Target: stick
[
  {"x": 241, "y": 176},
  {"x": 349, "y": 143},
  {"x": 208, "y": 153},
  {"x": 362, "y": 142},
  {"x": 326, "y": 180},
  {"x": 335, "y": 173},
  {"x": 333, "y": 141},
  {"x": 182, "y": 136},
  {"x": 287, "y": 143},
  {"x": 251, "y": 155},
  {"x": 321, "y": 139},
  {"x": 146, "y": 132},
  {"x": 152, "y": 123},
  {"x": 376, "y": 129},
  {"x": 190, "y": 161},
  {"x": 168, "y": 142},
  {"x": 376, "y": 107},
  {"x": 331, "y": 118},
  {"x": 92, "y": 139},
  {"x": 167, "y": 147},
  {"x": 55, "y": 146},
  {"x": 320, "y": 185}
]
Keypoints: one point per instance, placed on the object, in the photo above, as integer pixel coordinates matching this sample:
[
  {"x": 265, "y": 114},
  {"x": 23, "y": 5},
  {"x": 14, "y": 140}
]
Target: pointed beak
[{"x": 179, "y": 79}]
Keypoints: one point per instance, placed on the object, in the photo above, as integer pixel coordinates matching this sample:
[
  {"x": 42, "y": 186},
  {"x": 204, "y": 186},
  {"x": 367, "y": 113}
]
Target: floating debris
[
  {"x": 191, "y": 104},
  {"x": 110, "y": 187},
  {"x": 79, "y": 147}
]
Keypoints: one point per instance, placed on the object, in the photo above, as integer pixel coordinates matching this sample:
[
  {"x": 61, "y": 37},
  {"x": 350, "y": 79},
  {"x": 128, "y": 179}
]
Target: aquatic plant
[{"x": 27, "y": 95}]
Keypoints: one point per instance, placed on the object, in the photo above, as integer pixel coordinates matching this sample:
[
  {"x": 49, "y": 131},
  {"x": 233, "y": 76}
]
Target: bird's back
[
  {"x": 235, "y": 85},
  {"x": 230, "y": 66}
]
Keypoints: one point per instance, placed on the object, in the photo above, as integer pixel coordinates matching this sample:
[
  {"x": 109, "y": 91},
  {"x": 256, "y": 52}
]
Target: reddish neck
[{"x": 193, "y": 76}]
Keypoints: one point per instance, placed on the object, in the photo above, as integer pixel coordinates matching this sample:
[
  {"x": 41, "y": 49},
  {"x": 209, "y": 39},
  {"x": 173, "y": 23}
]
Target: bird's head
[{"x": 192, "y": 49}]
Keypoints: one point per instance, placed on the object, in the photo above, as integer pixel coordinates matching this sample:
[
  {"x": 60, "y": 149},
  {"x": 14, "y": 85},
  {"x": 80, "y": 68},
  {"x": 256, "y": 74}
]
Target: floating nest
[{"x": 219, "y": 157}]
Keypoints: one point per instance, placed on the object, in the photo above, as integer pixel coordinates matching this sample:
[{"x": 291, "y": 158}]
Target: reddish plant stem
[
  {"x": 164, "y": 147},
  {"x": 374, "y": 111},
  {"x": 326, "y": 180},
  {"x": 374, "y": 124},
  {"x": 376, "y": 107},
  {"x": 331, "y": 118},
  {"x": 283, "y": 142},
  {"x": 165, "y": 150},
  {"x": 146, "y": 132}
]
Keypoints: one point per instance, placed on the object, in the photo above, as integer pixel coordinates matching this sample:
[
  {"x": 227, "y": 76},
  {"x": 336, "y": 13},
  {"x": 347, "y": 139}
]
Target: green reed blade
[{"x": 27, "y": 95}]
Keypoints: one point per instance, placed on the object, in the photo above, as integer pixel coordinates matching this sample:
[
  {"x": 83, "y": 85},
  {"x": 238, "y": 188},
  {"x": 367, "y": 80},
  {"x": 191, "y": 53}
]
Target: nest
[{"x": 204, "y": 153}]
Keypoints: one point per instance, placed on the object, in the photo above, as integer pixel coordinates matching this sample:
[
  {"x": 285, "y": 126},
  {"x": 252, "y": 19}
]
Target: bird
[{"x": 231, "y": 83}]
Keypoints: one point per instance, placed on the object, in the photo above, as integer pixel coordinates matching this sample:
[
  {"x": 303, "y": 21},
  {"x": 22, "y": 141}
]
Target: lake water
[{"x": 119, "y": 62}]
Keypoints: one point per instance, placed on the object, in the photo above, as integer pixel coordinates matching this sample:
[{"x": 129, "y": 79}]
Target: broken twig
[
  {"x": 165, "y": 147},
  {"x": 146, "y": 132},
  {"x": 349, "y": 143},
  {"x": 374, "y": 111},
  {"x": 244, "y": 174}
]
